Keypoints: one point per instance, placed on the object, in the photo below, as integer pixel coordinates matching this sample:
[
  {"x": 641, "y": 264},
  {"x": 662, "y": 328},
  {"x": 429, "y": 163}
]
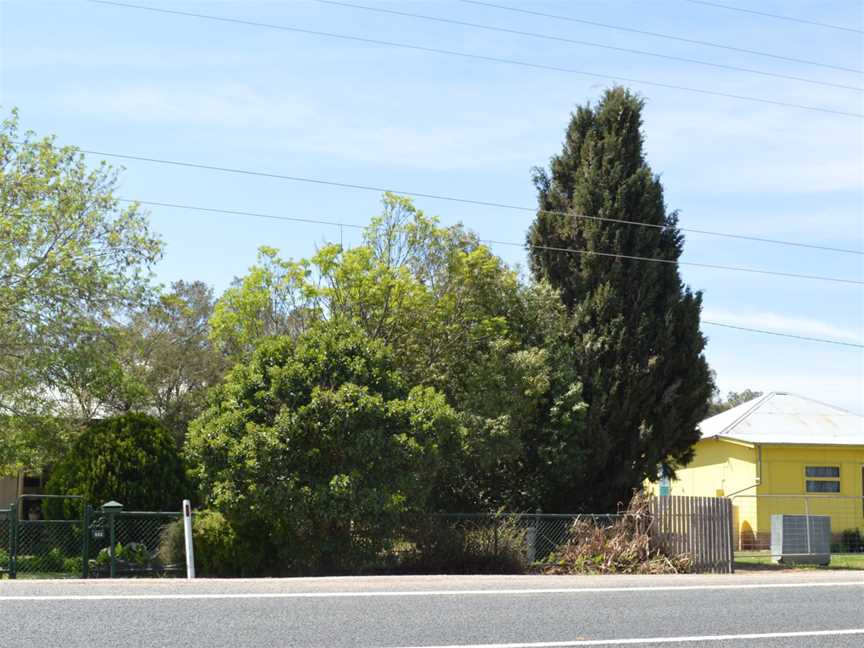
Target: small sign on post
[{"x": 187, "y": 532}]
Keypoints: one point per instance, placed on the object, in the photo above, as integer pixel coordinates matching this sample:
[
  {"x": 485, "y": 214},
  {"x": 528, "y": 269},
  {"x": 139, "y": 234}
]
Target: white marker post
[{"x": 187, "y": 532}]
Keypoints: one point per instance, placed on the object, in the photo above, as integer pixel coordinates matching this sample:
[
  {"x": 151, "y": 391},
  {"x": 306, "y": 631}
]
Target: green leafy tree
[
  {"x": 70, "y": 257},
  {"x": 635, "y": 324},
  {"x": 168, "y": 352},
  {"x": 158, "y": 359},
  {"x": 457, "y": 319},
  {"x": 131, "y": 458},
  {"x": 316, "y": 451}
]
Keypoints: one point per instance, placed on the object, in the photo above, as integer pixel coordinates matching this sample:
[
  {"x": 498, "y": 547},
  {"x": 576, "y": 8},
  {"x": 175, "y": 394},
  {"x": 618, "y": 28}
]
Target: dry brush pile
[{"x": 626, "y": 546}]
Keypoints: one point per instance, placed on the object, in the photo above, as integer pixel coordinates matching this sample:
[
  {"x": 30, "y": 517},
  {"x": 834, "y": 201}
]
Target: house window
[{"x": 822, "y": 479}]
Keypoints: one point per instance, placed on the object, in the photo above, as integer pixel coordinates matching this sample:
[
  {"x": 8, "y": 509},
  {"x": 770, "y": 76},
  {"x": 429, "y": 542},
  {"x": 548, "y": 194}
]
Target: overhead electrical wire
[
  {"x": 481, "y": 57},
  {"x": 236, "y": 212},
  {"x": 766, "y": 14},
  {"x": 778, "y": 333},
  {"x": 466, "y": 201},
  {"x": 682, "y": 39},
  {"x": 572, "y": 41},
  {"x": 711, "y": 266}
]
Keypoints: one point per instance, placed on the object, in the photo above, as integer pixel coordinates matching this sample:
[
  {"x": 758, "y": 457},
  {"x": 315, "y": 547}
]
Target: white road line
[
  {"x": 396, "y": 593},
  {"x": 655, "y": 640}
]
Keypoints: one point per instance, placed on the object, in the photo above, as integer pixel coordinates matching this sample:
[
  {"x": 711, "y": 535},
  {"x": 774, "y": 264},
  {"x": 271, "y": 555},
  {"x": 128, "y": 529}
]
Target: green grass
[{"x": 838, "y": 561}]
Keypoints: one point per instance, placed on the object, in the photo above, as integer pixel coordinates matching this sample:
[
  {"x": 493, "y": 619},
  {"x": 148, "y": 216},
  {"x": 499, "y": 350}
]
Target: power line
[
  {"x": 481, "y": 57},
  {"x": 235, "y": 212},
  {"x": 711, "y": 266},
  {"x": 681, "y": 39},
  {"x": 628, "y": 257},
  {"x": 777, "y": 16},
  {"x": 549, "y": 37},
  {"x": 340, "y": 225},
  {"x": 779, "y": 334},
  {"x": 466, "y": 201}
]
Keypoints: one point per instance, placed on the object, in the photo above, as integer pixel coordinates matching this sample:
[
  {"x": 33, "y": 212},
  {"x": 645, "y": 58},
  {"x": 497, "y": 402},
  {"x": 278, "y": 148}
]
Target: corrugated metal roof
[{"x": 783, "y": 418}]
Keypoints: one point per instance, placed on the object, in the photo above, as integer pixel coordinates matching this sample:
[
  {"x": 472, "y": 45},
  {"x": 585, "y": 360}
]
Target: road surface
[{"x": 804, "y": 609}]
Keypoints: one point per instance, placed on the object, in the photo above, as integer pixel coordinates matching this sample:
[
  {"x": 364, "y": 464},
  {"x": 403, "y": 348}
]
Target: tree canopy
[
  {"x": 635, "y": 324},
  {"x": 71, "y": 255},
  {"x": 319, "y": 445},
  {"x": 457, "y": 319},
  {"x": 131, "y": 458}
]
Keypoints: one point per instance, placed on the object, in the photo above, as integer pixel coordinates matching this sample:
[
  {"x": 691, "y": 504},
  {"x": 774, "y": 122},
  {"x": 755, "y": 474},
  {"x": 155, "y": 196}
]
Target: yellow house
[{"x": 779, "y": 453}]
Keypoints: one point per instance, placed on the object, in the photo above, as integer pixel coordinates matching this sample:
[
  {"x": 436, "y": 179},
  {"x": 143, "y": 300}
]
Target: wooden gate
[{"x": 700, "y": 527}]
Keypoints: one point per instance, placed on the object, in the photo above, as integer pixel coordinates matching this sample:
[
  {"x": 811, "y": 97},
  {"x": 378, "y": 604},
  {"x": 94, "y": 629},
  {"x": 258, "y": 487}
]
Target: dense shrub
[
  {"x": 315, "y": 451},
  {"x": 486, "y": 546},
  {"x": 132, "y": 459},
  {"x": 218, "y": 552},
  {"x": 851, "y": 540}
]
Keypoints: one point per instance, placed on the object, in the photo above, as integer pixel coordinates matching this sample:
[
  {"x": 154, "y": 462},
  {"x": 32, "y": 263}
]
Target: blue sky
[{"x": 120, "y": 80}]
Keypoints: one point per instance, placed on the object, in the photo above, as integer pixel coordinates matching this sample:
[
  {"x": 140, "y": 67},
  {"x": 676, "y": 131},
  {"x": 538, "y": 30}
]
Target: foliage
[
  {"x": 73, "y": 565},
  {"x": 458, "y": 320},
  {"x": 69, "y": 257},
  {"x": 132, "y": 555},
  {"x": 169, "y": 354},
  {"x": 315, "y": 450},
  {"x": 218, "y": 552},
  {"x": 733, "y": 399},
  {"x": 131, "y": 459},
  {"x": 159, "y": 360},
  {"x": 495, "y": 546},
  {"x": 639, "y": 351},
  {"x": 851, "y": 540}
]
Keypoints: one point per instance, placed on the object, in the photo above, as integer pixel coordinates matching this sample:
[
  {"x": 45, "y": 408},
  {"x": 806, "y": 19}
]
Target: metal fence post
[
  {"x": 85, "y": 542},
  {"x": 13, "y": 540},
  {"x": 807, "y": 523}
]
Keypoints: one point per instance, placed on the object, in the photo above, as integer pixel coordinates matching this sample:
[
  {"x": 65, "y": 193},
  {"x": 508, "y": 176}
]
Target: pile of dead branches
[{"x": 623, "y": 545}]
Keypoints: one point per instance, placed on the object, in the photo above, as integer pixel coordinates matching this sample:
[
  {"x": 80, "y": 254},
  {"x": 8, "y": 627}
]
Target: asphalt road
[{"x": 824, "y": 609}]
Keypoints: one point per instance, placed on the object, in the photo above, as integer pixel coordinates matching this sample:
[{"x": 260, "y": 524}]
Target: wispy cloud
[
  {"x": 371, "y": 132},
  {"x": 829, "y": 150},
  {"x": 786, "y": 324}
]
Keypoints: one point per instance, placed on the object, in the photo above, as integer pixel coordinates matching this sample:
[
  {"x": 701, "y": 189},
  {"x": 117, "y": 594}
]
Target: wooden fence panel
[{"x": 700, "y": 527}]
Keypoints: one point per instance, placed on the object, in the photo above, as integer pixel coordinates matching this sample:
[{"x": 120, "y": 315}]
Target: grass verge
[{"x": 838, "y": 561}]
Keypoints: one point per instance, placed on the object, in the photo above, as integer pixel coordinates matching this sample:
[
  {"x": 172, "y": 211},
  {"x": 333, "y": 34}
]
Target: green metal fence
[
  {"x": 83, "y": 542},
  {"x": 5, "y": 540}
]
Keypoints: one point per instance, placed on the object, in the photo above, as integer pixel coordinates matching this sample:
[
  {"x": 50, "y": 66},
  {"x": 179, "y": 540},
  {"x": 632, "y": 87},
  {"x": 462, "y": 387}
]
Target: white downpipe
[{"x": 187, "y": 532}]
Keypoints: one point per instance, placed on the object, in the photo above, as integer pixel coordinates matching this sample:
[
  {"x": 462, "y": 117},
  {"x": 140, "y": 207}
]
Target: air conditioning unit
[{"x": 802, "y": 539}]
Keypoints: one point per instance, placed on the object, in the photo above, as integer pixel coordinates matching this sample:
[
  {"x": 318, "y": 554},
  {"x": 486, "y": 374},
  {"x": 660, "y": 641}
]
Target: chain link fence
[
  {"x": 87, "y": 544},
  {"x": 491, "y": 543},
  {"x": 5, "y": 541},
  {"x": 137, "y": 540}
]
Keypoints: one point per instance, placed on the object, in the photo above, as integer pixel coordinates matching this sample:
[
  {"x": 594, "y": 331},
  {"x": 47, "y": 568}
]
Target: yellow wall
[
  {"x": 783, "y": 467},
  {"x": 723, "y": 467},
  {"x": 718, "y": 468},
  {"x": 783, "y": 474}
]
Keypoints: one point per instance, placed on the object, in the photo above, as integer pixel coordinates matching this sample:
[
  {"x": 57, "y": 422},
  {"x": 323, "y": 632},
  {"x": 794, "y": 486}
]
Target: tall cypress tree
[{"x": 636, "y": 325}]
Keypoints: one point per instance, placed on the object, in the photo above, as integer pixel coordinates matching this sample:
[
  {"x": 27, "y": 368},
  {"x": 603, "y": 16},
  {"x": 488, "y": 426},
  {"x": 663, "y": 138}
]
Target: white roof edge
[
  {"x": 734, "y": 424},
  {"x": 773, "y": 442},
  {"x": 757, "y": 402}
]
